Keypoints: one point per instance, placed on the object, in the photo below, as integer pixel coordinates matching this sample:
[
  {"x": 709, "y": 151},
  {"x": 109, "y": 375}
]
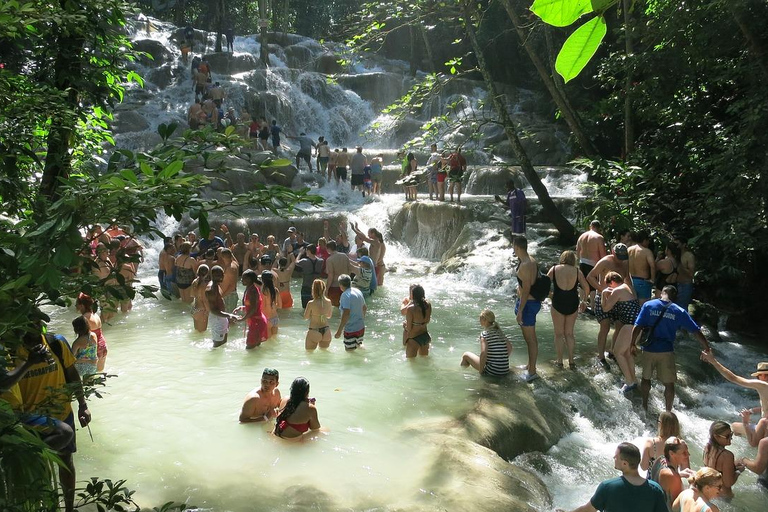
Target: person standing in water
[
  {"x": 618, "y": 300},
  {"x": 717, "y": 457},
  {"x": 516, "y": 203},
  {"x": 706, "y": 485},
  {"x": 352, "y": 306},
  {"x": 200, "y": 304},
  {"x": 84, "y": 347},
  {"x": 258, "y": 329},
  {"x": 566, "y": 278},
  {"x": 84, "y": 306},
  {"x": 418, "y": 313},
  {"x": 495, "y": 348},
  {"x": 272, "y": 301},
  {"x": 318, "y": 311},
  {"x": 526, "y": 306},
  {"x": 628, "y": 493},
  {"x": 218, "y": 318}
]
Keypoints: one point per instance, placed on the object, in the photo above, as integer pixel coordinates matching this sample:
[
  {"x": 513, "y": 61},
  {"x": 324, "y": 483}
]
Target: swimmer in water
[
  {"x": 298, "y": 413},
  {"x": 318, "y": 311},
  {"x": 262, "y": 404}
]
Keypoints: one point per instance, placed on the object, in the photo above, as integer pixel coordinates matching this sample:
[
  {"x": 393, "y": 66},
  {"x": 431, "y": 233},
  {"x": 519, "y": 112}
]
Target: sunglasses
[{"x": 729, "y": 435}]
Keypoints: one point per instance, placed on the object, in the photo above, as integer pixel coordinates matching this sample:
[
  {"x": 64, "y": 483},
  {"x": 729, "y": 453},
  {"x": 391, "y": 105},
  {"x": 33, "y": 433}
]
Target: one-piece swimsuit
[{"x": 565, "y": 302}]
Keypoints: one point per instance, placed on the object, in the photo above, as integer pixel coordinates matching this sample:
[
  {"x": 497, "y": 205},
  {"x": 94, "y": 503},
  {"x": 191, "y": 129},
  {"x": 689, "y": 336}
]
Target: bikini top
[{"x": 299, "y": 427}]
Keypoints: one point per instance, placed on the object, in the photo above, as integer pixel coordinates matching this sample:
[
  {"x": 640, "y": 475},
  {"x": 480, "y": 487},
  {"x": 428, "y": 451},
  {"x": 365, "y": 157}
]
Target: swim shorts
[
  {"x": 532, "y": 308},
  {"x": 341, "y": 173},
  {"x": 601, "y": 315},
  {"x": 455, "y": 175},
  {"x": 357, "y": 180},
  {"x": 287, "y": 299},
  {"x": 352, "y": 340},
  {"x": 219, "y": 326},
  {"x": 662, "y": 362},
  {"x": 334, "y": 293},
  {"x": 441, "y": 176},
  {"x": 586, "y": 268},
  {"x": 274, "y": 321},
  {"x": 642, "y": 287}
]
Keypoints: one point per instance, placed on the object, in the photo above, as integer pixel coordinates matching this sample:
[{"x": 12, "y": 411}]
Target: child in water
[
  {"x": 84, "y": 347},
  {"x": 495, "y": 348}
]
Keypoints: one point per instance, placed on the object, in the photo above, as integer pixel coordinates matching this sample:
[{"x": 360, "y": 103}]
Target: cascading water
[{"x": 169, "y": 422}]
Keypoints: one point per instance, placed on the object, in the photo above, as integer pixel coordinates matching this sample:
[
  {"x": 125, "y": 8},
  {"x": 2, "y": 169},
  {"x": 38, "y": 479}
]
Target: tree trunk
[
  {"x": 58, "y": 161},
  {"x": 567, "y": 232},
  {"x": 428, "y": 48},
  {"x": 414, "y": 49},
  {"x": 178, "y": 13},
  {"x": 218, "y": 21},
  {"x": 756, "y": 46},
  {"x": 629, "y": 118},
  {"x": 569, "y": 114},
  {"x": 264, "y": 36}
]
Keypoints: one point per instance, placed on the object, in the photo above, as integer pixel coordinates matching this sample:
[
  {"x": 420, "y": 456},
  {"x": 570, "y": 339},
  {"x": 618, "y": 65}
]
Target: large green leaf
[
  {"x": 561, "y": 13},
  {"x": 579, "y": 48},
  {"x": 600, "y": 6}
]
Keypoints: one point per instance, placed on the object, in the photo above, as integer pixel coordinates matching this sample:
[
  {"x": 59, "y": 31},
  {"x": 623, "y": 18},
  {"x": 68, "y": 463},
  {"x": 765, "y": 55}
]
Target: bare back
[
  {"x": 590, "y": 247},
  {"x": 640, "y": 261}
]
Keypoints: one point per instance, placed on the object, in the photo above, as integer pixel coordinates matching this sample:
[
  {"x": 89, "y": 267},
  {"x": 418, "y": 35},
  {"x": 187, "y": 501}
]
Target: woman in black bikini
[
  {"x": 566, "y": 278},
  {"x": 717, "y": 457},
  {"x": 666, "y": 267},
  {"x": 186, "y": 271},
  {"x": 318, "y": 311},
  {"x": 418, "y": 312}
]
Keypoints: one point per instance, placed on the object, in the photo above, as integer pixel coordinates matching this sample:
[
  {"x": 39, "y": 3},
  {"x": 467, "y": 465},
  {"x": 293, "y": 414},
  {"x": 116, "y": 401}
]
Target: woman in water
[
  {"x": 258, "y": 328},
  {"x": 653, "y": 449},
  {"x": 377, "y": 250},
  {"x": 495, "y": 348},
  {"x": 318, "y": 311},
  {"x": 298, "y": 413},
  {"x": 670, "y": 477},
  {"x": 666, "y": 267},
  {"x": 566, "y": 278},
  {"x": 717, "y": 457},
  {"x": 620, "y": 298},
  {"x": 272, "y": 302},
  {"x": 186, "y": 269},
  {"x": 84, "y": 306},
  {"x": 84, "y": 347},
  {"x": 418, "y": 312},
  {"x": 706, "y": 485},
  {"x": 200, "y": 304},
  {"x": 412, "y": 190},
  {"x": 284, "y": 271}
]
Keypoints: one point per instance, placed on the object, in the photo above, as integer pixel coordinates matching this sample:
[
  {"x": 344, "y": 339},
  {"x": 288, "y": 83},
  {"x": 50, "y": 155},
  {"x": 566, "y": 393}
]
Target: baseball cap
[
  {"x": 620, "y": 251},
  {"x": 292, "y": 229}
]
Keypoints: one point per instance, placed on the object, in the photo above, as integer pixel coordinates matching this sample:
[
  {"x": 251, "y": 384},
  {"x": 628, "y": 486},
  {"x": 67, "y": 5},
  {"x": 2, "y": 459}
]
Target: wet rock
[
  {"x": 429, "y": 229},
  {"x": 493, "y": 180},
  {"x": 280, "y": 175},
  {"x": 382, "y": 89},
  {"x": 298, "y": 56},
  {"x": 328, "y": 63},
  {"x": 229, "y": 64},
  {"x": 160, "y": 55},
  {"x": 161, "y": 77},
  {"x": 129, "y": 121},
  {"x": 307, "y": 498}
]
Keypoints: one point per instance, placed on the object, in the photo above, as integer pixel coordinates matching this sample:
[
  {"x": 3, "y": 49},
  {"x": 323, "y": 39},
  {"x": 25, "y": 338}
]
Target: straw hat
[{"x": 761, "y": 368}]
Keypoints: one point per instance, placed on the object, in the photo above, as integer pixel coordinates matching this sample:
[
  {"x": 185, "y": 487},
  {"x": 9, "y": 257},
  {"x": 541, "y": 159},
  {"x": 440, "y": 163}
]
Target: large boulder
[
  {"x": 160, "y": 55},
  {"x": 129, "y": 121},
  {"x": 328, "y": 63},
  {"x": 229, "y": 64}
]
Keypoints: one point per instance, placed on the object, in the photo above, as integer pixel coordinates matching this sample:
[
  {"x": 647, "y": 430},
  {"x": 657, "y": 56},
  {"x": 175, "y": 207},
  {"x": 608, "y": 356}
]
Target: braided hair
[
  {"x": 268, "y": 278},
  {"x": 299, "y": 393}
]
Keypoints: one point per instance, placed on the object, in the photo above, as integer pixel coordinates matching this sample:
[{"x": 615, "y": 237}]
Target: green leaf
[
  {"x": 600, "y": 6},
  {"x": 561, "y": 13},
  {"x": 579, "y": 48}
]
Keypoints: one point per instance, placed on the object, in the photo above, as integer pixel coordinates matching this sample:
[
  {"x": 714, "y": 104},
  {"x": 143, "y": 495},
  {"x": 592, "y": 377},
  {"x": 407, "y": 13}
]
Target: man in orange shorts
[{"x": 336, "y": 265}]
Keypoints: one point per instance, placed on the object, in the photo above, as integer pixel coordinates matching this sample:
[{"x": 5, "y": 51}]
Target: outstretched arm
[{"x": 709, "y": 357}]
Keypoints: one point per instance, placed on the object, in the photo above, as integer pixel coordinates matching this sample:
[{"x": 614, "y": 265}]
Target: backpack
[{"x": 540, "y": 288}]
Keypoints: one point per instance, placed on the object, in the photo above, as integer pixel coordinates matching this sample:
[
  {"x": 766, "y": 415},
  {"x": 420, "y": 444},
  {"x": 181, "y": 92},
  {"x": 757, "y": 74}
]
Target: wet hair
[
  {"x": 218, "y": 269},
  {"x": 185, "y": 248},
  {"x": 613, "y": 277},
  {"x": 282, "y": 262},
  {"x": 641, "y": 236},
  {"x": 272, "y": 372},
  {"x": 318, "y": 288},
  {"x": 331, "y": 245},
  {"x": 80, "y": 325},
  {"x": 210, "y": 253},
  {"x": 595, "y": 224},
  {"x": 86, "y": 301},
  {"x": 672, "y": 445},
  {"x": 377, "y": 234},
  {"x": 311, "y": 249},
  {"x": 521, "y": 242},
  {"x": 410, "y": 157},
  {"x": 490, "y": 319},
  {"x": 668, "y": 425},
  {"x": 203, "y": 270},
  {"x": 630, "y": 454},
  {"x": 716, "y": 428},
  {"x": 362, "y": 251},
  {"x": 250, "y": 275},
  {"x": 345, "y": 280},
  {"x": 417, "y": 292},
  {"x": 671, "y": 292},
  {"x": 227, "y": 253},
  {"x": 675, "y": 250},
  {"x": 568, "y": 258},
  {"x": 705, "y": 476},
  {"x": 268, "y": 280},
  {"x": 299, "y": 393}
]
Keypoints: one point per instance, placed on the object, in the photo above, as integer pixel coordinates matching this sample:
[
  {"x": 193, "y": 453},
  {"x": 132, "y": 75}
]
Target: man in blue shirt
[
  {"x": 353, "y": 308},
  {"x": 628, "y": 493},
  {"x": 659, "y": 352},
  {"x": 210, "y": 242}
]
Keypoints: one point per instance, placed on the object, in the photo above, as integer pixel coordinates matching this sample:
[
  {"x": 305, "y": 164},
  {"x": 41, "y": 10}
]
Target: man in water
[
  {"x": 664, "y": 317},
  {"x": 311, "y": 267},
  {"x": 229, "y": 284},
  {"x": 357, "y": 169},
  {"x": 229, "y": 33},
  {"x": 617, "y": 261},
  {"x": 289, "y": 244},
  {"x": 642, "y": 266},
  {"x": 218, "y": 318},
  {"x": 275, "y": 133},
  {"x": 432, "y": 165},
  {"x": 590, "y": 248},
  {"x": 45, "y": 392},
  {"x": 239, "y": 249},
  {"x": 526, "y": 307},
  {"x": 305, "y": 149},
  {"x": 353, "y": 309},
  {"x": 685, "y": 272},
  {"x": 516, "y": 204},
  {"x": 628, "y": 493},
  {"x": 217, "y": 94},
  {"x": 262, "y": 404},
  {"x": 336, "y": 265},
  {"x": 759, "y": 384}
]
